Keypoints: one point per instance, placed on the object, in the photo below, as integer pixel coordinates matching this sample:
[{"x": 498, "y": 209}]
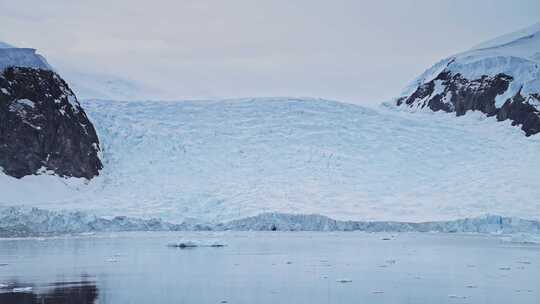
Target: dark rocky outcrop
[
  {"x": 43, "y": 127},
  {"x": 520, "y": 111},
  {"x": 453, "y": 93}
]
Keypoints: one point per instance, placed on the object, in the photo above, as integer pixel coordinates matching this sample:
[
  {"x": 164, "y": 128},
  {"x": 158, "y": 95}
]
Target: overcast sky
[{"x": 356, "y": 51}]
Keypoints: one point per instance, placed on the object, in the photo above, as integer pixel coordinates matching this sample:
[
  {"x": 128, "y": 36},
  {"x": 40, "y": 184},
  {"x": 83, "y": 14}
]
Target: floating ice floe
[
  {"x": 453, "y": 296},
  {"x": 523, "y": 238},
  {"x": 22, "y": 289},
  {"x": 194, "y": 244},
  {"x": 377, "y": 292},
  {"x": 3, "y": 286}
]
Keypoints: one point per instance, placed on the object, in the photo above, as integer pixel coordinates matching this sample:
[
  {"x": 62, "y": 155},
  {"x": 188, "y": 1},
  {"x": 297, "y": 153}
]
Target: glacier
[
  {"x": 216, "y": 161},
  {"x": 35, "y": 222}
]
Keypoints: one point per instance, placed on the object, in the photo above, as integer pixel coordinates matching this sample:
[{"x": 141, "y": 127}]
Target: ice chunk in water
[{"x": 193, "y": 244}]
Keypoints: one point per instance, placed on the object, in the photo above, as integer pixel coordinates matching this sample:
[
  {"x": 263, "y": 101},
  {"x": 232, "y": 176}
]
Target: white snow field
[{"x": 214, "y": 161}]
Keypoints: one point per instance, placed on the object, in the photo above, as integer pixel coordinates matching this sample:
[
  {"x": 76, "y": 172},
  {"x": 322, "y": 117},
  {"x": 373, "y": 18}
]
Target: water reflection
[{"x": 82, "y": 292}]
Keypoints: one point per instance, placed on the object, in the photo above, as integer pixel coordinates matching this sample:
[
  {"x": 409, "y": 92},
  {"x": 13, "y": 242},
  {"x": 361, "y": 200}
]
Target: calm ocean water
[{"x": 269, "y": 267}]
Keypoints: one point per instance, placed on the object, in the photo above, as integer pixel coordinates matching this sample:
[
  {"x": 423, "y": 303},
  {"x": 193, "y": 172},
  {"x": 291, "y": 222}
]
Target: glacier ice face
[
  {"x": 215, "y": 161},
  {"x": 315, "y": 222},
  {"x": 27, "y": 222}
]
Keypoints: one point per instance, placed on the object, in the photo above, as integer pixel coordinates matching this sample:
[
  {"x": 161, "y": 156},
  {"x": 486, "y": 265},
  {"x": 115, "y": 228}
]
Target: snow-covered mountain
[
  {"x": 221, "y": 160},
  {"x": 500, "y": 77},
  {"x": 228, "y": 159}
]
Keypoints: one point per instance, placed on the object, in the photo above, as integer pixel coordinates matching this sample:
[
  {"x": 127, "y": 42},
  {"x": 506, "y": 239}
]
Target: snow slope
[
  {"x": 504, "y": 39},
  {"x": 4, "y": 45},
  {"x": 104, "y": 86},
  {"x": 85, "y": 85},
  {"x": 228, "y": 159},
  {"x": 21, "y": 57},
  {"x": 516, "y": 54}
]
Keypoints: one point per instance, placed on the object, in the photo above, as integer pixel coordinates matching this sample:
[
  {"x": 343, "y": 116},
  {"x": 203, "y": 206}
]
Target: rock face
[
  {"x": 453, "y": 93},
  {"x": 43, "y": 127},
  {"x": 522, "y": 111}
]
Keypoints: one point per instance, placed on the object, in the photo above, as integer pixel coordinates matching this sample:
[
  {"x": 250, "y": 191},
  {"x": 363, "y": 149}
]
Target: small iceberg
[
  {"x": 188, "y": 244},
  {"x": 344, "y": 281},
  {"x": 195, "y": 244},
  {"x": 453, "y": 296},
  {"x": 22, "y": 289}
]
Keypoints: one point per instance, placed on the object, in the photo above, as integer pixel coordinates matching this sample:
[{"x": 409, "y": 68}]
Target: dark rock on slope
[
  {"x": 500, "y": 77},
  {"x": 521, "y": 111},
  {"x": 453, "y": 93},
  {"x": 43, "y": 127}
]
